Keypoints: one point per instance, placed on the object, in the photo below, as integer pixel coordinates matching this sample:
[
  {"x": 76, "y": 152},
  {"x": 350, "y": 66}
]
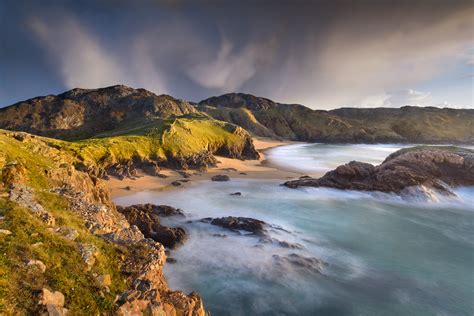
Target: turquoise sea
[{"x": 383, "y": 255}]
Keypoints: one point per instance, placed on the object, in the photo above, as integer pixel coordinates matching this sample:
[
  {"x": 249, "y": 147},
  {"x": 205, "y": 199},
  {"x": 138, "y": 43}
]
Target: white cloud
[
  {"x": 229, "y": 70},
  {"x": 398, "y": 98},
  {"x": 82, "y": 60},
  {"x": 408, "y": 97}
]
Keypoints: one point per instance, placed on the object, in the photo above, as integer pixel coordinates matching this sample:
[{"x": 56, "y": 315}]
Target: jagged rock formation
[
  {"x": 82, "y": 113},
  {"x": 264, "y": 117},
  {"x": 147, "y": 218},
  {"x": 435, "y": 168}
]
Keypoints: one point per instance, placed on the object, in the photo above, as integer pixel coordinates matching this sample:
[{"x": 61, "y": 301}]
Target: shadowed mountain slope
[{"x": 263, "y": 117}]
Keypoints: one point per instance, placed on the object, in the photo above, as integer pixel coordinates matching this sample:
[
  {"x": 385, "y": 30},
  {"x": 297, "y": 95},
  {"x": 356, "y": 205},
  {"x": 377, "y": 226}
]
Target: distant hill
[{"x": 264, "y": 117}]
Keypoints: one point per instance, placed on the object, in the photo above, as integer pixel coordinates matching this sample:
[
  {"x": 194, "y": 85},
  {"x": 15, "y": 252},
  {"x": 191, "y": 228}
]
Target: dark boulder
[
  {"x": 252, "y": 225},
  {"x": 220, "y": 178},
  {"x": 146, "y": 218}
]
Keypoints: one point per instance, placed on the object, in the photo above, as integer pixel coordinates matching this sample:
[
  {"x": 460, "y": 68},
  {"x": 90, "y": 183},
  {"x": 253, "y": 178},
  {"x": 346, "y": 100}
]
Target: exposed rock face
[
  {"x": 252, "y": 225},
  {"x": 146, "y": 218},
  {"x": 53, "y": 303},
  {"x": 23, "y": 195},
  {"x": 264, "y": 117},
  {"x": 435, "y": 168},
  {"x": 80, "y": 113}
]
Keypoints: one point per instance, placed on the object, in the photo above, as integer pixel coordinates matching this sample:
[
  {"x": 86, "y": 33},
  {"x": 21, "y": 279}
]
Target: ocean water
[
  {"x": 383, "y": 255},
  {"x": 319, "y": 158}
]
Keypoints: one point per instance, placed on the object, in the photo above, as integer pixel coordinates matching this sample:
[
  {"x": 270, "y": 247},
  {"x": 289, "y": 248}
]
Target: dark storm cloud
[{"x": 319, "y": 53}]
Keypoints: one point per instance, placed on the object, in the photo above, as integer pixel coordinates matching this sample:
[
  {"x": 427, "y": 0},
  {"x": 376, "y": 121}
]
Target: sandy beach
[{"x": 234, "y": 168}]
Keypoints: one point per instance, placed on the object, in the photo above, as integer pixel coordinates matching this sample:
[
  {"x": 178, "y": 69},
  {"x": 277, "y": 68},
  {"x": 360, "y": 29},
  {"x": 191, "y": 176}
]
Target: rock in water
[
  {"x": 146, "y": 218},
  {"x": 431, "y": 169},
  {"x": 220, "y": 178},
  {"x": 238, "y": 223},
  {"x": 309, "y": 264}
]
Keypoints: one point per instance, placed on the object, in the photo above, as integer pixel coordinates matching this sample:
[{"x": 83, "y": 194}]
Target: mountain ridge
[
  {"x": 84, "y": 113},
  {"x": 408, "y": 124}
]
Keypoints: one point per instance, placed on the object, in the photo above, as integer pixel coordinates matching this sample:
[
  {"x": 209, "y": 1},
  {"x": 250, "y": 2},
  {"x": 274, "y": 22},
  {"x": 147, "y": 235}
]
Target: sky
[{"x": 322, "y": 54}]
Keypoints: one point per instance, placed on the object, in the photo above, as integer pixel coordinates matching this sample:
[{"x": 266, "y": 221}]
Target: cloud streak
[
  {"x": 229, "y": 70},
  {"x": 82, "y": 61}
]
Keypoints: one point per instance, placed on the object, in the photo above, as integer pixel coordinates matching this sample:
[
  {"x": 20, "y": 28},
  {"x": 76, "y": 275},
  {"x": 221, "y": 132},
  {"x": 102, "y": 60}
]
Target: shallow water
[
  {"x": 317, "y": 158},
  {"x": 384, "y": 256}
]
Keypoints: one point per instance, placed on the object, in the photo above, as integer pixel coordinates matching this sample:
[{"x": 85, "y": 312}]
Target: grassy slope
[
  {"x": 239, "y": 116},
  {"x": 65, "y": 269},
  {"x": 163, "y": 140}
]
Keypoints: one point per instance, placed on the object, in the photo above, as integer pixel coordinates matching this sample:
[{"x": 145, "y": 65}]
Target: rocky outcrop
[
  {"x": 435, "y": 168},
  {"x": 23, "y": 195},
  {"x": 147, "y": 218}
]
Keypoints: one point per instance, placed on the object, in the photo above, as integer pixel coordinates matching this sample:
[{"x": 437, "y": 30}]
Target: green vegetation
[
  {"x": 162, "y": 140},
  {"x": 65, "y": 272},
  {"x": 32, "y": 239},
  {"x": 158, "y": 140}
]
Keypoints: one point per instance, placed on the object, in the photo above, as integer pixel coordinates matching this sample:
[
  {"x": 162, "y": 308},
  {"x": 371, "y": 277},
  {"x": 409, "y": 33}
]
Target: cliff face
[
  {"x": 82, "y": 113},
  {"x": 263, "y": 117},
  {"x": 64, "y": 239}
]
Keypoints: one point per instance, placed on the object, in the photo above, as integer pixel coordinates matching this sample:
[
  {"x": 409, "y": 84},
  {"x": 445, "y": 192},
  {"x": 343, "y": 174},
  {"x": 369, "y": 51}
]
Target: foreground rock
[
  {"x": 407, "y": 172},
  {"x": 146, "y": 218},
  {"x": 52, "y": 303},
  {"x": 237, "y": 224}
]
